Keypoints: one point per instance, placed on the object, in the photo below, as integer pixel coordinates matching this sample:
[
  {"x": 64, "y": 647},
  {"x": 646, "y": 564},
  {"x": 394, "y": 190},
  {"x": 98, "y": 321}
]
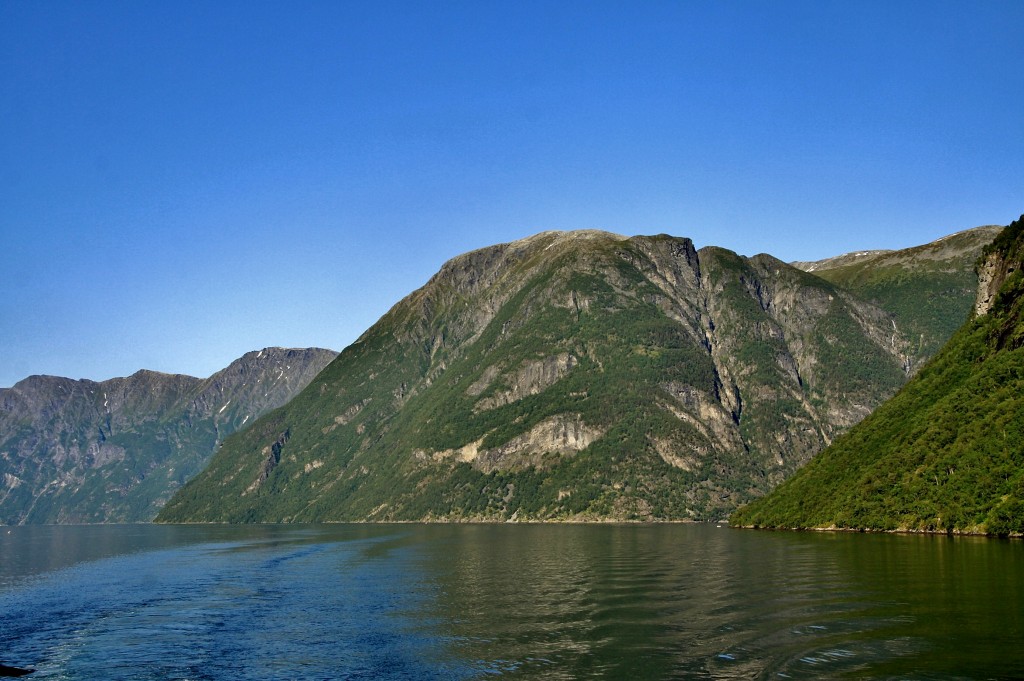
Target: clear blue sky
[{"x": 181, "y": 182}]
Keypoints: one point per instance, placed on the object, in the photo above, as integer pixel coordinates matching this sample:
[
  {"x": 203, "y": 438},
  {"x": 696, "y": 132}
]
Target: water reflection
[
  {"x": 660, "y": 602},
  {"x": 517, "y": 602}
]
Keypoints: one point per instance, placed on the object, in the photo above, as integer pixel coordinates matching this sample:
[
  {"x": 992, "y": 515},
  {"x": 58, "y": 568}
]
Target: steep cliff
[
  {"x": 115, "y": 451},
  {"x": 927, "y": 289},
  {"x": 567, "y": 376},
  {"x": 947, "y": 452}
]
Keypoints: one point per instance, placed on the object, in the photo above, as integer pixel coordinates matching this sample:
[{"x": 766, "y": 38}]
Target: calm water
[{"x": 506, "y": 602}]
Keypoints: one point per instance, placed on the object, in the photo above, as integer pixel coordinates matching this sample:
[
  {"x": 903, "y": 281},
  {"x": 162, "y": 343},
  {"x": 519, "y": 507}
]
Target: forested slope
[{"x": 947, "y": 452}]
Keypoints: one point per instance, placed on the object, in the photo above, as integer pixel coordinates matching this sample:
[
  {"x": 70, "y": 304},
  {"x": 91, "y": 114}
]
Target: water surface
[{"x": 506, "y": 602}]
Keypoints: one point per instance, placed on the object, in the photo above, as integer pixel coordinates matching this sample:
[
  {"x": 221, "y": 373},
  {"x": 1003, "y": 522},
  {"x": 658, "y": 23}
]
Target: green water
[{"x": 507, "y": 601}]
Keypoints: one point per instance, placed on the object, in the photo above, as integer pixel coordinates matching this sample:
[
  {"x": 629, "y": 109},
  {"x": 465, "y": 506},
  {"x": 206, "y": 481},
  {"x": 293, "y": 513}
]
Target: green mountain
[
  {"x": 927, "y": 289},
  {"x": 114, "y": 451},
  {"x": 947, "y": 452},
  {"x": 568, "y": 376}
]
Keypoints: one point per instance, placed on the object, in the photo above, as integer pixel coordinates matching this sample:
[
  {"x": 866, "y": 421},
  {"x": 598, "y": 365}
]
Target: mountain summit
[{"x": 577, "y": 375}]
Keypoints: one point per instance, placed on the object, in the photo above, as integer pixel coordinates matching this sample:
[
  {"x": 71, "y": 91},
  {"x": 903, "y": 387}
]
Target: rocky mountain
[
  {"x": 928, "y": 289},
  {"x": 576, "y": 375},
  {"x": 76, "y": 451},
  {"x": 947, "y": 452}
]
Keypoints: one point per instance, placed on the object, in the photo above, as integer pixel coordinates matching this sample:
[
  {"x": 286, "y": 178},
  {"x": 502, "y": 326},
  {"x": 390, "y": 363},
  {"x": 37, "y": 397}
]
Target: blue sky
[{"x": 181, "y": 182}]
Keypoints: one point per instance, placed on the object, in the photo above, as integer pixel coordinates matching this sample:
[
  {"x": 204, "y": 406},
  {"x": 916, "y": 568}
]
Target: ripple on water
[{"x": 565, "y": 602}]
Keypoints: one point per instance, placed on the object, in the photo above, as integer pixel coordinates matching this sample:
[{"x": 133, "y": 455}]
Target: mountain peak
[
  {"x": 114, "y": 450},
  {"x": 571, "y": 235},
  {"x": 568, "y": 375}
]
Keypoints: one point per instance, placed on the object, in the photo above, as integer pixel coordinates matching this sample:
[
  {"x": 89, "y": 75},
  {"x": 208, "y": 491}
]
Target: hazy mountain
[
  {"x": 947, "y": 452},
  {"x": 84, "y": 451},
  {"x": 569, "y": 376}
]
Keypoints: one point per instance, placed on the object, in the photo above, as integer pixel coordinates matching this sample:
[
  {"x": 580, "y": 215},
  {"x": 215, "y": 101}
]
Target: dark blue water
[{"x": 506, "y": 602}]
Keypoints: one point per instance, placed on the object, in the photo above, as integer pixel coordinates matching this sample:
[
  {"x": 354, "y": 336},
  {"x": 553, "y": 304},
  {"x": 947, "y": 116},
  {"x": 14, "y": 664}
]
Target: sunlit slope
[
  {"x": 79, "y": 451},
  {"x": 947, "y": 452},
  {"x": 928, "y": 289},
  {"x": 567, "y": 376}
]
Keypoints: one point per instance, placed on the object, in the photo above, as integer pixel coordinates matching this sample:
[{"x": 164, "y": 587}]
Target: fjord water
[{"x": 509, "y": 602}]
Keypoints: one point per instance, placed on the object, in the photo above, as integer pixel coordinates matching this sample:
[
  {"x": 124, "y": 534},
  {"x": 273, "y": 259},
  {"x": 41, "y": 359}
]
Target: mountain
[
  {"x": 927, "y": 289},
  {"x": 114, "y": 451},
  {"x": 947, "y": 452},
  {"x": 575, "y": 375}
]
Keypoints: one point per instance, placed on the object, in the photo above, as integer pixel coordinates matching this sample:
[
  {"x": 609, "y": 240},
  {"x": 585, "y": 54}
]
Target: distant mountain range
[
  {"x": 79, "y": 451},
  {"x": 946, "y": 454},
  {"x": 586, "y": 376}
]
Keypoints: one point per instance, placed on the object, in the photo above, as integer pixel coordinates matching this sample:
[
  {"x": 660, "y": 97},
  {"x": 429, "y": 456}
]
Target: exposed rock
[
  {"x": 945, "y": 454},
  {"x": 560, "y": 435},
  {"x": 114, "y": 451},
  {"x": 531, "y": 378},
  {"x": 572, "y": 376},
  {"x": 485, "y": 380},
  {"x": 992, "y": 274},
  {"x": 939, "y": 275},
  {"x": 539, "y": 447},
  {"x": 271, "y": 458},
  {"x": 345, "y": 418}
]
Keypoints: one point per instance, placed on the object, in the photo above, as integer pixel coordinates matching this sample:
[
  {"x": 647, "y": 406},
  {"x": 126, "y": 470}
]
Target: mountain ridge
[
  {"x": 986, "y": 232},
  {"x": 113, "y": 450},
  {"x": 945, "y": 454},
  {"x": 923, "y": 287},
  {"x": 568, "y": 376}
]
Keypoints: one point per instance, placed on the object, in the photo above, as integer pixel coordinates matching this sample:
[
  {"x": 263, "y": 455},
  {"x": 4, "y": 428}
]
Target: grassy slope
[
  {"x": 929, "y": 289},
  {"x": 945, "y": 454}
]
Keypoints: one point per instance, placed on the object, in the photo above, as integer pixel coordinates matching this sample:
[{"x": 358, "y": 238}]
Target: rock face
[
  {"x": 114, "y": 451},
  {"x": 571, "y": 375},
  {"x": 994, "y": 268},
  {"x": 989, "y": 280},
  {"x": 946, "y": 454},
  {"x": 927, "y": 289}
]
